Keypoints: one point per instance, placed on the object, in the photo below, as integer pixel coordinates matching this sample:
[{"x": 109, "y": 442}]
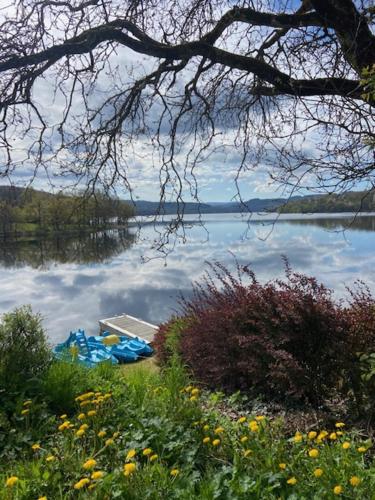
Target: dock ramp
[{"x": 128, "y": 326}]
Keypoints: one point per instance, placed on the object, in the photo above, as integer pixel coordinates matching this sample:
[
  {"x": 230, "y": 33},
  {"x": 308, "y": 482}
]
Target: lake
[{"x": 75, "y": 281}]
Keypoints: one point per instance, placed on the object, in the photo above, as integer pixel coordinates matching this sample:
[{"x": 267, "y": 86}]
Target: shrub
[
  {"x": 286, "y": 337},
  {"x": 24, "y": 352}
]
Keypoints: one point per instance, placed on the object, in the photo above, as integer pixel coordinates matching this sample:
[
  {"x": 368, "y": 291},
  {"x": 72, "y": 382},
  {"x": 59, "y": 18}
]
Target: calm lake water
[{"x": 75, "y": 281}]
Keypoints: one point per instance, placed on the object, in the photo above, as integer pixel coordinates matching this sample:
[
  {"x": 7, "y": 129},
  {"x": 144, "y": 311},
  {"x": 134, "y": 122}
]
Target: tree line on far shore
[{"x": 38, "y": 211}]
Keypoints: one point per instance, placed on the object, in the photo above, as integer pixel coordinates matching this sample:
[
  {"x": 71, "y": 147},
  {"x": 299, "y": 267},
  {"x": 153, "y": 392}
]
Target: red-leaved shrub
[{"x": 284, "y": 338}]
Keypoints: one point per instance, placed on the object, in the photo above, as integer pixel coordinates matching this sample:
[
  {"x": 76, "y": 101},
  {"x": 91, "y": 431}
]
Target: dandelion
[
  {"x": 11, "y": 481},
  {"x": 259, "y": 418},
  {"x": 116, "y": 435},
  {"x": 188, "y": 388},
  {"x": 337, "y": 490},
  {"x": 174, "y": 472},
  {"x": 98, "y": 474},
  {"x": 219, "y": 430},
  {"x": 89, "y": 464},
  {"x": 64, "y": 417},
  {"x": 64, "y": 425},
  {"x": 354, "y": 481},
  {"x": 147, "y": 451},
  {"x": 193, "y": 398},
  {"x": 313, "y": 453},
  {"x": 153, "y": 457},
  {"x": 241, "y": 420},
  {"x": 292, "y": 481},
  {"x": 282, "y": 466},
  {"x": 84, "y": 427},
  {"x": 318, "y": 472},
  {"x": 362, "y": 449},
  {"x": 346, "y": 445},
  {"x": 216, "y": 442},
  {"x": 25, "y": 412},
  {"x": 339, "y": 433},
  {"x": 42, "y": 498},
  {"x": 107, "y": 396},
  {"x": 298, "y": 437},
  {"x": 312, "y": 434},
  {"x": 206, "y": 440},
  {"x": 81, "y": 483},
  {"x": 36, "y": 447},
  {"x": 206, "y": 427},
  {"x": 50, "y": 458},
  {"x": 129, "y": 469},
  {"x": 244, "y": 439},
  {"x": 333, "y": 436},
  {"x": 195, "y": 392},
  {"x": 253, "y": 426},
  {"x": 322, "y": 435},
  {"x": 339, "y": 425},
  {"x": 247, "y": 453},
  {"x": 109, "y": 442},
  {"x": 81, "y": 416},
  {"x": 102, "y": 434},
  {"x": 131, "y": 454},
  {"x": 80, "y": 432},
  {"x": 91, "y": 413},
  {"x": 84, "y": 403},
  {"x": 27, "y": 403}
]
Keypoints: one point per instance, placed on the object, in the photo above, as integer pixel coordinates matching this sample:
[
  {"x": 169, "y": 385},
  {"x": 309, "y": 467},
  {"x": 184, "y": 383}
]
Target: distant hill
[{"x": 352, "y": 201}]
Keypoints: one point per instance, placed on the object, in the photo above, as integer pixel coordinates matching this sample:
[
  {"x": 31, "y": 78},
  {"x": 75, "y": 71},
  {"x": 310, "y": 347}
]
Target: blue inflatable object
[
  {"x": 120, "y": 351},
  {"x": 136, "y": 345}
]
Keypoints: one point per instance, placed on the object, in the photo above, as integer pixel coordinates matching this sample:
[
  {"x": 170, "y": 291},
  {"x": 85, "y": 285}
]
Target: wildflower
[
  {"x": 346, "y": 445},
  {"x": 354, "y": 481},
  {"x": 81, "y": 416},
  {"x": 292, "y": 481},
  {"x": 282, "y": 466},
  {"x": 42, "y": 498},
  {"x": 337, "y": 490},
  {"x": 36, "y": 447},
  {"x": 206, "y": 427},
  {"x": 259, "y": 418},
  {"x": 50, "y": 458},
  {"x": 312, "y": 435},
  {"x": 247, "y": 453},
  {"x": 98, "y": 474},
  {"x": 107, "y": 396},
  {"x": 216, "y": 442},
  {"x": 253, "y": 426},
  {"x": 85, "y": 396},
  {"x": 298, "y": 437},
  {"x": 11, "y": 481},
  {"x": 206, "y": 440},
  {"x": 91, "y": 486},
  {"x": 129, "y": 469},
  {"x": 25, "y": 412},
  {"x": 333, "y": 436},
  {"x": 130, "y": 455},
  {"x": 195, "y": 392},
  {"x": 91, "y": 413},
  {"x": 362, "y": 449},
  {"x": 241, "y": 420},
  {"x": 339, "y": 433},
  {"x": 102, "y": 434},
  {"x": 109, "y": 441},
  {"x": 188, "y": 388},
  {"x": 339, "y": 425},
  {"x": 89, "y": 464},
  {"x": 153, "y": 457},
  {"x": 244, "y": 439},
  {"x": 322, "y": 435},
  {"x": 193, "y": 398},
  {"x": 27, "y": 403},
  {"x": 147, "y": 452},
  {"x": 116, "y": 435},
  {"x": 64, "y": 417},
  {"x": 98, "y": 394},
  {"x": 81, "y": 483},
  {"x": 95, "y": 401},
  {"x": 80, "y": 432},
  {"x": 84, "y": 427},
  {"x": 174, "y": 472},
  {"x": 84, "y": 403},
  {"x": 219, "y": 430},
  {"x": 313, "y": 453},
  {"x": 318, "y": 472},
  {"x": 64, "y": 425}
]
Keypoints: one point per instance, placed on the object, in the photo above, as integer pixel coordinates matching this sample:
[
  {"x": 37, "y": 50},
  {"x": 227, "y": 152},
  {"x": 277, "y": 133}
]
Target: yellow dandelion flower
[
  {"x": 216, "y": 442},
  {"x": 81, "y": 483},
  {"x": 147, "y": 451},
  {"x": 241, "y": 420},
  {"x": 292, "y": 481},
  {"x": 244, "y": 439},
  {"x": 195, "y": 392},
  {"x": 81, "y": 416},
  {"x": 80, "y": 432},
  {"x": 36, "y": 447},
  {"x": 337, "y": 490},
  {"x": 102, "y": 434},
  {"x": 206, "y": 427},
  {"x": 253, "y": 426},
  {"x": 193, "y": 398},
  {"x": 174, "y": 472},
  {"x": 282, "y": 466},
  {"x": 313, "y": 453},
  {"x": 339, "y": 425},
  {"x": 107, "y": 396},
  {"x": 50, "y": 458},
  {"x": 206, "y": 440},
  {"x": 98, "y": 474},
  {"x": 89, "y": 464},
  {"x": 116, "y": 435},
  {"x": 312, "y": 434},
  {"x": 84, "y": 403},
  {"x": 109, "y": 442},
  {"x": 362, "y": 449},
  {"x": 91, "y": 413},
  {"x": 346, "y": 445},
  {"x": 259, "y": 418},
  {"x": 42, "y": 498},
  {"x": 188, "y": 388},
  {"x": 64, "y": 417},
  {"x": 28, "y": 402},
  {"x": 64, "y": 425},
  {"x": 354, "y": 481},
  {"x": 11, "y": 481},
  {"x": 333, "y": 436},
  {"x": 25, "y": 412},
  {"x": 219, "y": 430},
  {"x": 97, "y": 394},
  {"x": 247, "y": 453},
  {"x": 153, "y": 457},
  {"x": 129, "y": 469},
  {"x": 339, "y": 433},
  {"x": 318, "y": 472},
  {"x": 131, "y": 454},
  {"x": 298, "y": 437}
]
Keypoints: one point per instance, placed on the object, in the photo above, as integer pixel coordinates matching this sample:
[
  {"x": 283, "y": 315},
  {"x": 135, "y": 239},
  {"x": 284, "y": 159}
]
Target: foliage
[
  {"x": 167, "y": 339},
  {"x": 287, "y": 337},
  {"x": 148, "y": 437},
  {"x": 24, "y": 353}
]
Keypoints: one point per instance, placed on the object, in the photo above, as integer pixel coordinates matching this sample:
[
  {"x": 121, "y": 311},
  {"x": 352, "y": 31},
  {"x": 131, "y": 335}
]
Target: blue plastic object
[
  {"x": 120, "y": 351},
  {"x": 135, "y": 344}
]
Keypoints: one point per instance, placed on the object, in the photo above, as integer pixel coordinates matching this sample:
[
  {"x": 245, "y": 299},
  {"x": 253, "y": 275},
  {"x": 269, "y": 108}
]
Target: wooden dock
[{"x": 128, "y": 326}]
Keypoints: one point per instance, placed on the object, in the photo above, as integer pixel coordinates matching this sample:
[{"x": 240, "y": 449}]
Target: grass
[{"x": 145, "y": 433}]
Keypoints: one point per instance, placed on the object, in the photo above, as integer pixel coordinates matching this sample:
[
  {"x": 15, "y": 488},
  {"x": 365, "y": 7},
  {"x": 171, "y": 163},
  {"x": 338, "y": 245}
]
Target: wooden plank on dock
[{"x": 129, "y": 326}]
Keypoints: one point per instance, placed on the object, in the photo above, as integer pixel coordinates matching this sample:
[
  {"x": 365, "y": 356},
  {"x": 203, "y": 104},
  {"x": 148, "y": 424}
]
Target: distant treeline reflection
[
  {"x": 355, "y": 223},
  {"x": 81, "y": 249}
]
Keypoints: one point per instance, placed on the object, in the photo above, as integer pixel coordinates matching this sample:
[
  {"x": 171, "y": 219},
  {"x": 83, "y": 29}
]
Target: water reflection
[{"x": 74, "y": 282}]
